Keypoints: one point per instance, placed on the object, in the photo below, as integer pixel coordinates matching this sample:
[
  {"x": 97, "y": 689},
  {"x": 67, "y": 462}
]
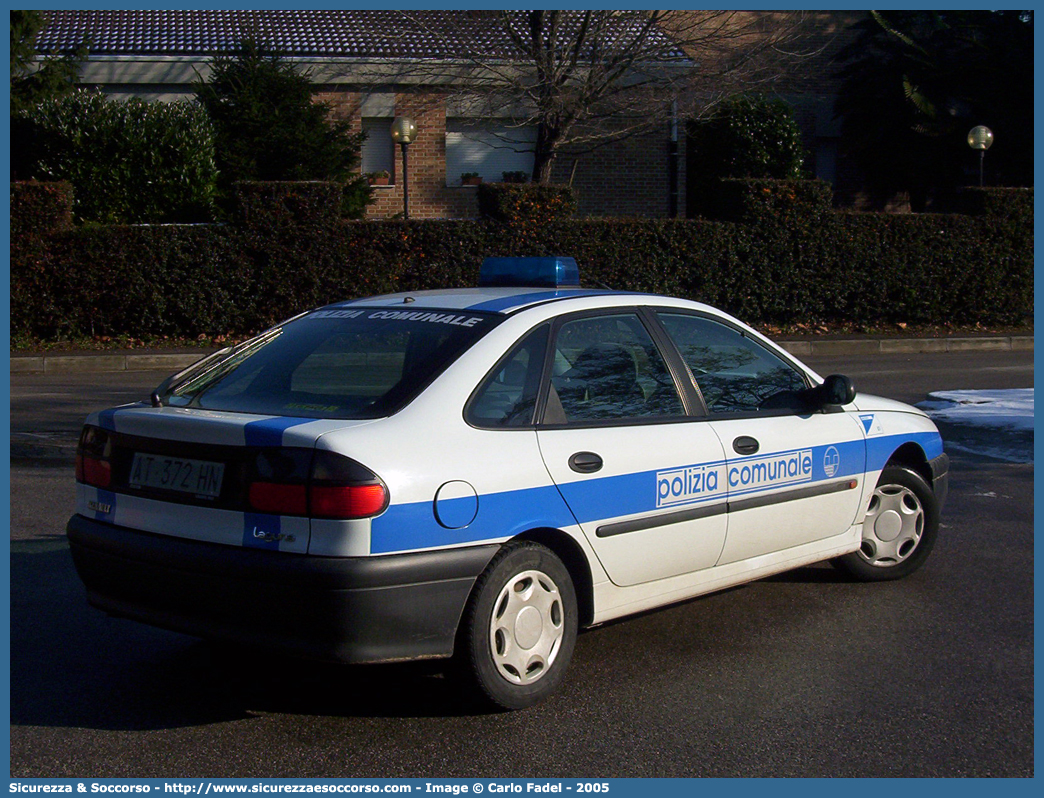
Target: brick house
[{"x": 365, "y": 65}]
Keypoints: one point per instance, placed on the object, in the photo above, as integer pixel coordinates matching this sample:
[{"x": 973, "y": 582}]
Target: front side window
[
  {"x": 335, "y": 363},
  {"x": 735, "y": 374},
  {"x": 607, "y": 368}
]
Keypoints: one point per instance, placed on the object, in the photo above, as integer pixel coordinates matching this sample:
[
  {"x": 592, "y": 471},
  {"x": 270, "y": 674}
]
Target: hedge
[
  {"x": 748, "y": 137},
  {"x": 130, "y": 161},
  {"x": 763, "y": 200},
  {"x": 525, "y": 203},
  {"x": 171, "y": 280},
  {"x": 279, "y": 203},
  {"x": 40, "y": 208},
  {"x": 1014, "y": 203},
  {"x": 236, "y": 278}
]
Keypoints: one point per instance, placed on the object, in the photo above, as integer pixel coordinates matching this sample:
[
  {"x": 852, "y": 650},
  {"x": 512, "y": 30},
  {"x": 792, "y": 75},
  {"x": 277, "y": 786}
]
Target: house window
[
  {"x": 378, "y": 150},
  {"x": 489, "y": 150}
]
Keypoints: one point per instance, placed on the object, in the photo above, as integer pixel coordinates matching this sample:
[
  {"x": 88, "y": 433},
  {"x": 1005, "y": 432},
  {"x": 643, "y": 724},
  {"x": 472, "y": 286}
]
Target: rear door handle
[
  {"x": 585, "y": 462},
  {"x": 745, "y": 444}
]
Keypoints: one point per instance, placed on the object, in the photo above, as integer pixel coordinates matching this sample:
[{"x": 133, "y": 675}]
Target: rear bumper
[
  {"x": 940, "y": 477},
  {"x": 345, "y": 609}
]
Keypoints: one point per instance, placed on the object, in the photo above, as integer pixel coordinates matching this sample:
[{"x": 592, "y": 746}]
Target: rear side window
[
  {"x": 507, "y": 397},
  {"x": 336, "y": 363},
  {"x": 607, "y": 368}
]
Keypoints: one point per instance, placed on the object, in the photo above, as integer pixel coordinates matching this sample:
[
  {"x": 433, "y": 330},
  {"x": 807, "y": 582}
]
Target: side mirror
[{"x": 837, "y": 389}]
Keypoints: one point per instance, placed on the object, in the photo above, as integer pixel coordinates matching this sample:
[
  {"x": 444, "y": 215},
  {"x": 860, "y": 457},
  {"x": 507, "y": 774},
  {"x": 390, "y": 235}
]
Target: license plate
[{"x": 198, "y": 477}]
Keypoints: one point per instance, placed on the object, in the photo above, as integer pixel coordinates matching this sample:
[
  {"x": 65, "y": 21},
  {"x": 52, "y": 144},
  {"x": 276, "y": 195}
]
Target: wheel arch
[
  {"x": 912, "y": 456},
  {"x": 575, "y": 561}
]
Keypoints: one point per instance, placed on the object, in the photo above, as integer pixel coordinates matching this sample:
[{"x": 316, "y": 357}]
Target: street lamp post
[
  {"x": 403, "y": 132},
  {"x": 980, "y": 138}
]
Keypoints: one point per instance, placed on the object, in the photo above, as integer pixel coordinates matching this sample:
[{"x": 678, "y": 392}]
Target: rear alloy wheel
[
  {"x": 901, "y": 524},
  {"x": 519, "y": 627}
]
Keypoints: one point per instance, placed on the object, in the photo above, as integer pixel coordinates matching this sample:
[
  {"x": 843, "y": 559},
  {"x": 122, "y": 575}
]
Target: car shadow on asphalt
[
  {"x": 819, "y": 574},
  {"x": 74, "y": 666}
]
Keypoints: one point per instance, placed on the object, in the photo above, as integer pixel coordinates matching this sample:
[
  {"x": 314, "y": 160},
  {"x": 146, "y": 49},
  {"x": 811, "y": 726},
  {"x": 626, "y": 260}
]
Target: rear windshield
[{"x": 334, "y": 363}]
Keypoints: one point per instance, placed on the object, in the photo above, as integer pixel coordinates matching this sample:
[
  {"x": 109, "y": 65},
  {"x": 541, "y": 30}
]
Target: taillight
[
  {"x": 350, "y": 501},
  {"x": 93, "y": 454},
  {"x": 97, "y": 472},
  {"x": 271, "y": 497},
  {"x": 329, "y": 485},
  {"x": 339, "y": 487}
]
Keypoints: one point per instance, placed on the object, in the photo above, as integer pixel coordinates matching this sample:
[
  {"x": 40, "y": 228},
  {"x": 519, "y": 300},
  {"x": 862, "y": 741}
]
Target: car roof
[
  {"x": 490, "y": 300},
  {"x": 551, "y": 301}
]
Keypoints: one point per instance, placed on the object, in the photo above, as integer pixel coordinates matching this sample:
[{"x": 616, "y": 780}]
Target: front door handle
[
  {"x": 585, "y": 462},
  {"x": 745, "y": 444}
]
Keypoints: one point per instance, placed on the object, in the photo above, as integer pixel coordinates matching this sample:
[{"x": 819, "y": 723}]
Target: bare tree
[{"x": 583, "y": 79}]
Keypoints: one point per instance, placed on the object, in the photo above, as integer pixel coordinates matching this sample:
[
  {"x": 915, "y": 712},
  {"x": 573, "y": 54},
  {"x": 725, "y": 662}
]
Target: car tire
[
  {"x": 519, "y": 627},
  {"x": 901, "y": 525}
]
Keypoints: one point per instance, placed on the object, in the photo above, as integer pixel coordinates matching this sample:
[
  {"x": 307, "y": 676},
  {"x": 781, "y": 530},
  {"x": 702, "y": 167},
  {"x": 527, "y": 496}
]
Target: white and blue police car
[{"x": 477, "y": 474}]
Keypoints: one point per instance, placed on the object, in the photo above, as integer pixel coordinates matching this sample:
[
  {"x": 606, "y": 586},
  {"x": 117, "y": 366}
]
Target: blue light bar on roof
[{"x": 553, "y": 272}]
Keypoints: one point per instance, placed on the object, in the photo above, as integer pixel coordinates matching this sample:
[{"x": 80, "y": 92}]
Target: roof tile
[{"x": 355, "y": 34}]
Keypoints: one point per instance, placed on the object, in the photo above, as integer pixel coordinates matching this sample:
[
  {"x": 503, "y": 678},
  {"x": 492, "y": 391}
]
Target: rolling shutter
[{"x": 490, "y": 151}]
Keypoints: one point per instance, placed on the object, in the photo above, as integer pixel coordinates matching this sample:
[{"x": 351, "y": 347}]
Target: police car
[{"x": 477, "y": 474}]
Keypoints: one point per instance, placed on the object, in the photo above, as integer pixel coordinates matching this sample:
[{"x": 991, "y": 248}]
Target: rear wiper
[
  {"x": 186, "y": 373},
  {"x": 206, "y": 365}
]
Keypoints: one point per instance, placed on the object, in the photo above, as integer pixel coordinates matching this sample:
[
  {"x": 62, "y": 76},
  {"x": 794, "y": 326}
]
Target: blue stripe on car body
[
  {"x": 878, "y": 450},
  {"x": 413, "y": 526},
  {"x": 629, "y": 494},
  {"x": 510, "y": 302},
  {"x": 405, "y": 527},
  {"x": 261, "y": 531},
  {"x": 106, "y": 498},
  {"x": 269, "y": 431}
]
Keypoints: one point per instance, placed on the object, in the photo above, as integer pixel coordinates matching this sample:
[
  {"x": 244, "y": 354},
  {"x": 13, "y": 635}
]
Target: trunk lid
[{"x": 187, "y": 473}]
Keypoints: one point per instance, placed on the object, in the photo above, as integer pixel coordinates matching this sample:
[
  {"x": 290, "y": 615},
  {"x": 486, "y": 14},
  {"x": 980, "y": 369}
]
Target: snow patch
[{"x": 1007, "y": 409}]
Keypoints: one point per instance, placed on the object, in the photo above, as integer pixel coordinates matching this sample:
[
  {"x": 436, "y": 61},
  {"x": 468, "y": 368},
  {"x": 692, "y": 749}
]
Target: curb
[
  {"x": 899, "y": 346},
  {"x": 77, "y": 364}
]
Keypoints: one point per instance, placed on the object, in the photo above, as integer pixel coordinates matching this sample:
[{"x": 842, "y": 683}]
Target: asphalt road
[{"x": 804, "y": 674}]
